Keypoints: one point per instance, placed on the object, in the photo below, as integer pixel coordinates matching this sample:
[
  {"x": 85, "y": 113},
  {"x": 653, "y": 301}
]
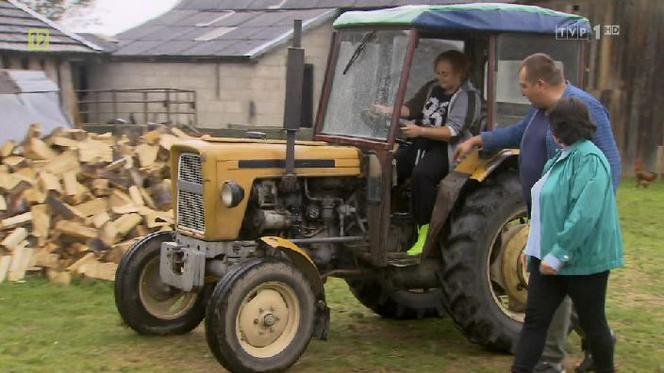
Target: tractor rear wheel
[
  {"x": 483, "y": 279},
  {"x": 380, "y": 296}
]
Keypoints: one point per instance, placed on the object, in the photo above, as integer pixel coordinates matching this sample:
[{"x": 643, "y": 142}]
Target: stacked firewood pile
[{"x": 73, "y": 202}]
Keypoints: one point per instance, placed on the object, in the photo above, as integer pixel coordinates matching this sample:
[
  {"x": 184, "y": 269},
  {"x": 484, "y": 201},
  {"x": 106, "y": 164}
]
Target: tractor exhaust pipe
[{"x": 293, "y": 103}]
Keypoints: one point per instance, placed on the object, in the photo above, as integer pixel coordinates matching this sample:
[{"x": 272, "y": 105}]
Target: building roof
[
  {"x": 238, "y": 29},
  {"x": 16, "y": 21},
  {"x": 468, "y": 17}
]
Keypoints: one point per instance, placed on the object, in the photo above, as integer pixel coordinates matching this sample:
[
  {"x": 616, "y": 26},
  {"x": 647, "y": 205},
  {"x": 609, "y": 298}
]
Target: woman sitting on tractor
[{"x": 445, "y": 111}]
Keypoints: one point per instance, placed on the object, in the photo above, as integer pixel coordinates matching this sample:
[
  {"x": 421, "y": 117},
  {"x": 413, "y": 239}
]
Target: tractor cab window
[
  {"x": 422, "y": 69},
  {"x": 367, "y": 72},
  {"x": 511, "y": 105}
]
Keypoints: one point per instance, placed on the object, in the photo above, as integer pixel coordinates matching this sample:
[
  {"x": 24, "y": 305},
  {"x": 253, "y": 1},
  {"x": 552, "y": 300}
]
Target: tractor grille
[
  {"x": 190, "y": 168},
  {"x": 190, "y": 211}
]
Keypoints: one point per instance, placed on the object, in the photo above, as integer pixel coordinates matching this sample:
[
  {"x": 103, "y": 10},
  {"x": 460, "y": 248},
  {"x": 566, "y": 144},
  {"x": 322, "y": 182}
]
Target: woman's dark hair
[
  {"x": 460, "y": 63},
  {"x": 570, "y": 121}
]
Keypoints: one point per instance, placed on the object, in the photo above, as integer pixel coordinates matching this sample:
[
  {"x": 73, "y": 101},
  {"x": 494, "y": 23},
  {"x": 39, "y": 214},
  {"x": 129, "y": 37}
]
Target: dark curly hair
[{"x": 570, "y": 121}]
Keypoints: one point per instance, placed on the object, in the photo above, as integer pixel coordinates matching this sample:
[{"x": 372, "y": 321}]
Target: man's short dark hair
[
  {"x": 541, "y": 66},
  {"x": 460, "y": 63},
  {"x": 570, "y": 121}
]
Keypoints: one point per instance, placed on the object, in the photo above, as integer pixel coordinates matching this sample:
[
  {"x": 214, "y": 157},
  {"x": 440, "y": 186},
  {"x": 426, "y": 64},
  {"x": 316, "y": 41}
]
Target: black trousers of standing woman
[
  {"x": 545, "y": 292},
  {"x": 427, "y": 162}
]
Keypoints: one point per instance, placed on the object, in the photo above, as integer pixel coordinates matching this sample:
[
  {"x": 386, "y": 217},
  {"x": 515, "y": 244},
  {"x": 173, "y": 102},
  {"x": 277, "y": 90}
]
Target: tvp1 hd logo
[
  {"x": 573, "y": 32},
  {"x": 38, "y": 39}
]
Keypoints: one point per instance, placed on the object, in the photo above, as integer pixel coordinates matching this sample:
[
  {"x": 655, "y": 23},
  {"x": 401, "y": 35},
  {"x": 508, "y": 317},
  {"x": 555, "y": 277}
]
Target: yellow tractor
[{"x": 260, "y": 224}]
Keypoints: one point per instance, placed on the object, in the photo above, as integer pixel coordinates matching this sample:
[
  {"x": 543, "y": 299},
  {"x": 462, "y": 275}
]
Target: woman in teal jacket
[{"x": 574, "y": 240}]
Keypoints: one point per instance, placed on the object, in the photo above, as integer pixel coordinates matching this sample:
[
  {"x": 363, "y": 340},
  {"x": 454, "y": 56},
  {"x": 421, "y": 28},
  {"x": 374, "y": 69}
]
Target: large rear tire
[
  {"x": 485, "y": 303},
  {"x": 381, "y": 297},
  {"x": 260, "y": 317},
  {"x": 144, "y": 302}
]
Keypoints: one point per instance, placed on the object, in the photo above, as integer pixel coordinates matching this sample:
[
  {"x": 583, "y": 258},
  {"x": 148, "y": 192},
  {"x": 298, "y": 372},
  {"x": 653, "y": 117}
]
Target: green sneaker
[{"x": 421, "y": 238}]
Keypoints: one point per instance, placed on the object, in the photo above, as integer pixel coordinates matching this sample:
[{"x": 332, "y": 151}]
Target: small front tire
[
  {"x": 260, "y": 316},
  {"x": 144, "y": 302}
]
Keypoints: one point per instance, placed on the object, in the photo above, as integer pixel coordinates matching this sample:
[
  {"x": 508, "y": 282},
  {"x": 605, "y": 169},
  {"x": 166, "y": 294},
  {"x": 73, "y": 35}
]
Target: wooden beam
[
  {"x": 20, "y": 259},
  {"x": 75, "y": 230},
  {"x": 15, "y": 220},
  {"x": 5, "y": 263},
  {"x": 14, "y": 238}
]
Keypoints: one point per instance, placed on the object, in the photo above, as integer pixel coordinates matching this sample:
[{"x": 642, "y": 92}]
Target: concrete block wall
[{"x": 226, "y": 93}]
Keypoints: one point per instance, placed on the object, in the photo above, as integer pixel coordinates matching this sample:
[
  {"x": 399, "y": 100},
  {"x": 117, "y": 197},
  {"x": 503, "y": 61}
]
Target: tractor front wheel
[
  {"x": 144, "y": 302},
  {"x": 260, "y": 317}
]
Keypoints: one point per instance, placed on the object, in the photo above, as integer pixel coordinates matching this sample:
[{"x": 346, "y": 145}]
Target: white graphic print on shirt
[{"x": 435, "y": 112}]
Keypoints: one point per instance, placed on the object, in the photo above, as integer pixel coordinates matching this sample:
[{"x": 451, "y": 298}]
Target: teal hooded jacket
[{"x": 579, "y": 218}]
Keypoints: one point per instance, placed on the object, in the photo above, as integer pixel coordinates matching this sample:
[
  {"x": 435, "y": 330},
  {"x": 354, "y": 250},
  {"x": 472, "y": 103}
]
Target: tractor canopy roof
[{"x": 480, "y": 17}]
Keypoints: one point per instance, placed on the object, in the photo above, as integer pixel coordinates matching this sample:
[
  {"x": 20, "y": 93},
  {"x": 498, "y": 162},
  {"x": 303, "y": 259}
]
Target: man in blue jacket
[{"x": 543, "y": 84}]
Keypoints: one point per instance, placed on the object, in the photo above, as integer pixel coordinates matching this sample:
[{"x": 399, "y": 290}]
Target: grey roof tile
[{"x": 16, "y": 21}]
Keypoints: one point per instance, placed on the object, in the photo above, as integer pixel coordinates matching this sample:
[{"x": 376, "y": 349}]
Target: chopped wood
[
  {"x": 75, "y": 230},
  {"x": 147, "y": 154},
  {"x": 92, "y": 207},
  {"x": 118, "y": 250},
  {"x": 37, "y": 149},
  {"x": 67, "y": 161},
  {"x": 5, "y": 263},
  {"x": 117, "y": 164},
  {"x": 41, "y": 222},
  {"x": 58, "y": 207},
  {"x": 90, "y": 257},
  {"x": 147, "y": 198},
  {"x": 100, "y": 219},
  {"x": 70, "y": 183},
  {"x": 27, "y": 174},
  {"x": 161, "y": 193},
  {"x": 13, "y": 161},
  {"x": 64, "y": 142},
  {"x": 120, "y": 198},
  {"x": 97, "y": 270},
  {"x": 7, "y": 148},
  {"x": 92, "y": 151},
  {"x": 126, "y": 223},
  {"x": 8, "y": 181},
  {"x": 136, "y": 196},
  {"x": 14, "y": 238},
  {"x": 45, "y": 259},
  {"x": 20, "y": 259},
  {"x": 15, "y": 220},
  {"x": 78, "y": 195},
  {"x": 101, "y": 187},
  {"x": 109, "y": 233},
  {"x": 48, "y": 181},
  {"x": 125, "y": 209},
  {"x": 59, "y": 277}
]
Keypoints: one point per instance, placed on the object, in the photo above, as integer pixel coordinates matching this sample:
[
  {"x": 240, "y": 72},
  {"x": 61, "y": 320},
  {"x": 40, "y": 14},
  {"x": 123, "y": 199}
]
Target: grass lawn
[{"x": 54, "y": 328}]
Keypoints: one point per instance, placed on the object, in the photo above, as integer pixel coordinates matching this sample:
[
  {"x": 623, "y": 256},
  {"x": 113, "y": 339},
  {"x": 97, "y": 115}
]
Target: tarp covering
[
  {"x": 28, "y": 97},
  {"x": 490, "y": 17}
]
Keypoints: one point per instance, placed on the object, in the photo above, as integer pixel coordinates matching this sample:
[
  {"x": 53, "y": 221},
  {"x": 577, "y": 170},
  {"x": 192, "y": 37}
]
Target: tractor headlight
[{"x": 231, "y": 194}]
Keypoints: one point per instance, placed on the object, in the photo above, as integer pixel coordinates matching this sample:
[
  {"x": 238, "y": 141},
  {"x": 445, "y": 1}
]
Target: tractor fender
[
  {"x": 302, "y": 260},
  {"x": 472, "y": 167}
]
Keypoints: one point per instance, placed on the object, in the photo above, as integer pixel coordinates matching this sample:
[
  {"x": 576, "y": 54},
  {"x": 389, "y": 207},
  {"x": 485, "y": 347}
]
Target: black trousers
[
  {"x": 545, "y": 292},
  {"x": 427, "y": 162}
]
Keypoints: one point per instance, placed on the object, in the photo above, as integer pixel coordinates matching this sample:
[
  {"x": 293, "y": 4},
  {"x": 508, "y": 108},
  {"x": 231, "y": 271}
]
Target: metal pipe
[{"x": 327, "y": 239}]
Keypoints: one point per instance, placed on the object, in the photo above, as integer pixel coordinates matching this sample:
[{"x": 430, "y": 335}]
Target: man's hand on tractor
[{"x": 466, "y": 147}]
